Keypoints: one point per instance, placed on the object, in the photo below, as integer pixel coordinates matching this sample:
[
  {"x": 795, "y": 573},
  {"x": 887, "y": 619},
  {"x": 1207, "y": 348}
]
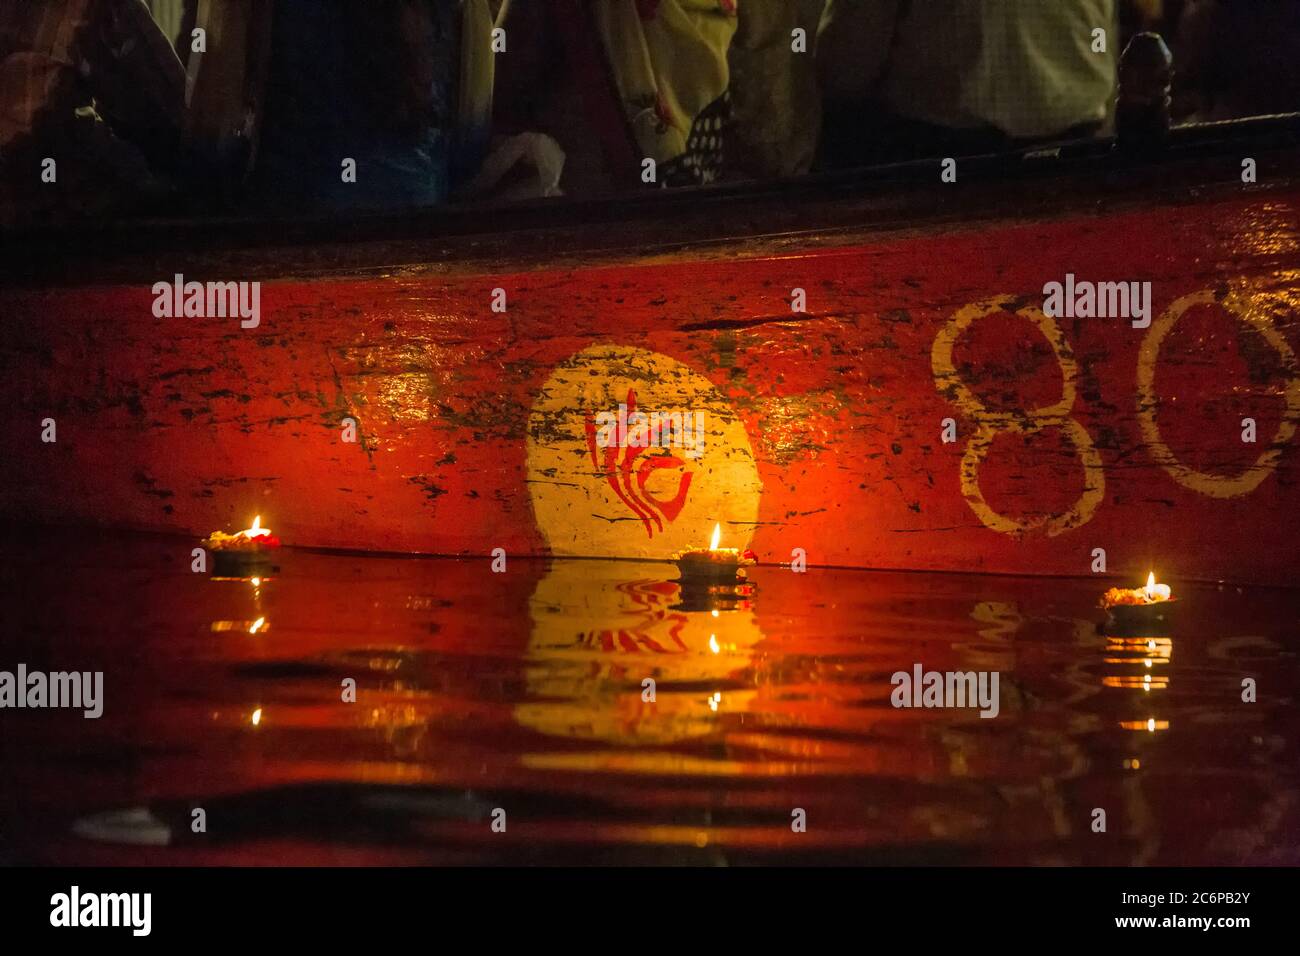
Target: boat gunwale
[{"x": 766, "y": 218}]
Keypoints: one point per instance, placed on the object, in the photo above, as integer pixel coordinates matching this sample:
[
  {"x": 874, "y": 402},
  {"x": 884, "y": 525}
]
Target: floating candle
[
  {"x": 1153, "y": 593},
  {"x": 242, "y": 552},
  {"x": 250, "y": 539},
  {"x": 1138, "y": 610},
  {"x": 714, "y": 564}
]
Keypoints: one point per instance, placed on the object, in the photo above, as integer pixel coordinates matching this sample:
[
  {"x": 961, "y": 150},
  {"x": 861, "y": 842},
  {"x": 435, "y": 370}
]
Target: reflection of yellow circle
[
  {"x": 1217, "y": 486},
  {"x": 601, "y": 628},
  {"x": 1094, "y": 484},
  {"x": 580, "y": 512},
  {"x": 948, "y": 381}
]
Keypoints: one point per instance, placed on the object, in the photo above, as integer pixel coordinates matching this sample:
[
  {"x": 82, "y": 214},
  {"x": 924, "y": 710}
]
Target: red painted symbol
[
  {"x": 619, "y": 473},
  {"x": 652, "y": 600}
]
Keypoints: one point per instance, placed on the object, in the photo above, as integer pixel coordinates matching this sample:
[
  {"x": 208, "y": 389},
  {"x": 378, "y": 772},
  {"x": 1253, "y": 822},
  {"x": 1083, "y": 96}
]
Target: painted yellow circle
[{"x": 621, "y": 501}]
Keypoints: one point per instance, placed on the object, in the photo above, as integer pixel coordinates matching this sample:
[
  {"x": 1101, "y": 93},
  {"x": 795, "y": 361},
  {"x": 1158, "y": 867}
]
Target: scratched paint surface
[
  {"x": 1071, "y": 434},
  {"x": 524, "y": 691}
]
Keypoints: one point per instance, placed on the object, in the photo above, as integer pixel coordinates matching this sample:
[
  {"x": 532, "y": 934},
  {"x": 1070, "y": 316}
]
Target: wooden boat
[{"x": 867, "y": 355}]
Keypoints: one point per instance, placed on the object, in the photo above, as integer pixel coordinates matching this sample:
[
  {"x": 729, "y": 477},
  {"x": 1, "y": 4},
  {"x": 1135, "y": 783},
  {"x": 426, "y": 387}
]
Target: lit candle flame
[
  {"x": 256, "y": 531},
  {"x": 1156, "y": 592},
  {"x": 717, "y": 536},
  {"x": 256, "y": 625},
  {"x": 257, "y": 716}
]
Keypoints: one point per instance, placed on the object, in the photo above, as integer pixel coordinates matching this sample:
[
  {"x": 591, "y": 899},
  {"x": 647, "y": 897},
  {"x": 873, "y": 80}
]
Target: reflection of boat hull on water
[
  {"x": 614, "y": 656},
  {"x": 477, "y": 691},
  {"x": 517, "y": 419}
]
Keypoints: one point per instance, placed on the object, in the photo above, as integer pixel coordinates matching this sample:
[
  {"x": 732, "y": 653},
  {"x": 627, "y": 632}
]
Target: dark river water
[{"x": 502, "y": 717}]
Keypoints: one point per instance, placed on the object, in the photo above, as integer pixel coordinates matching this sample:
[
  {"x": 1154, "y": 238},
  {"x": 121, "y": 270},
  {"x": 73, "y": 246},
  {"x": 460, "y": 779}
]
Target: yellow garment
[{"x": 669, "y": 60}]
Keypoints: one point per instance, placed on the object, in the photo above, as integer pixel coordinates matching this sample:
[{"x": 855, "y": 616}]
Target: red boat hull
[{"x": 823, "y": 430}]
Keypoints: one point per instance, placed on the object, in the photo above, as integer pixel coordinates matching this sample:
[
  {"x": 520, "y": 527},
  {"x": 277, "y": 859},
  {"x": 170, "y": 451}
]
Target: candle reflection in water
[
  {"x": 478, "y": 690},
  {"x": 1150, "y": 725},
  {"x": 257, "y": 624},
  {"x": 1146, "y": 653}
]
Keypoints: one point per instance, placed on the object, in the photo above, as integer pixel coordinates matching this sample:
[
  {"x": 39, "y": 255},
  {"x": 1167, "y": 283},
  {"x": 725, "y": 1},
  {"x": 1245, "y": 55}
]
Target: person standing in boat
[{"x": 904, "y": 78}]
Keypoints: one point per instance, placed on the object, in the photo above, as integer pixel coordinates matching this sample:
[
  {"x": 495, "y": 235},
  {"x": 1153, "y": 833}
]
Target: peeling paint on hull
[{"x": 1071, "y": 435}]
